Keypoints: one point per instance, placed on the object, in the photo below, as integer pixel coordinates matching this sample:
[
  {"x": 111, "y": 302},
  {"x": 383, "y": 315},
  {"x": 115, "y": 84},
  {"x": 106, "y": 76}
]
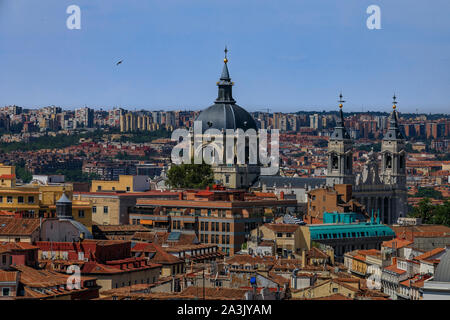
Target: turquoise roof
[
  {"x": 354, "y": 230},
  {"x": 343, "y": 217}
]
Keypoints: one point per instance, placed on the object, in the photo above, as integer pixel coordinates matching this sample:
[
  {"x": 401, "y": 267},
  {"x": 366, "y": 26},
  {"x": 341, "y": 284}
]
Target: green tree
[
  {"x": 197, "y": 176},
  {"x": 441, "y": 214},
  {"x": 423, "y": 210},
  {"x": 23, "y": 174},
  {"x": 428, "y": 193}
]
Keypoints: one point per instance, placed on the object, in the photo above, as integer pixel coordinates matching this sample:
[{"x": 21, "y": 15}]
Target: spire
[
  {"x": 393, "y": 132},
  {"x": 340, "y": 122},
  {"x": 225, "y": 74},
  {"x": 225, "y": 84},
  {"x": 340, "y": 133}
]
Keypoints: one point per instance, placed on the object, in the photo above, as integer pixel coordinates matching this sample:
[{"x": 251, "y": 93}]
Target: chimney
[
  {"x": 303, "y": 258},
  {"x": 282, "y": 195},
  {"x": 180, "y": 196}
]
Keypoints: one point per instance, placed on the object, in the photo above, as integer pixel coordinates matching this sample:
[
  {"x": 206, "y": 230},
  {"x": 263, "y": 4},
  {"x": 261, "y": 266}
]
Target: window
[
  {"x": 1, "y": 198},
  {"x": 279, "y": 235},
  {"x": 9, "y": 199},
  {"x": 5, "y": 292},
  {"x": 80, "y": 213},
  {"x": 228, "y": 227},
  {"x": 30, "y": 199},
  {"x": 94, "y": 209},
  {"x": 128, "y": 189},
  {"x": 4, "y": 259},
  {"x": 105, "y": 209},
  {"x": 288, "y": 235},
  {"x": 228, "y": 239},
  {"x": 99, "y": 188},
  {"x": 335, "y": 290}
]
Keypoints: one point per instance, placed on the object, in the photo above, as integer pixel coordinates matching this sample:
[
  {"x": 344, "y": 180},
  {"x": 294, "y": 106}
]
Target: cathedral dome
[
  {"x": 225, "y": 113},
  {"x": 442, "y": 273},
  {"x": 226, "y": 116}
]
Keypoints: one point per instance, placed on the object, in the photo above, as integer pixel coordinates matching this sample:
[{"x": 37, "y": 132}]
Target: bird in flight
[{"x": 119, "y": 62}]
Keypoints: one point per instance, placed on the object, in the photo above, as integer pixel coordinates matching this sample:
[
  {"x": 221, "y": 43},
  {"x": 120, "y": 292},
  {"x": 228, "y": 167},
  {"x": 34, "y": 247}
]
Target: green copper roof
[{"x": 346, "y": 231}]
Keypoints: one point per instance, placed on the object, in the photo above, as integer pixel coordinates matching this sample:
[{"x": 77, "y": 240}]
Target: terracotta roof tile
[
  {"x": 18, "y": 226},
  {"x": 427, "y": 255}
]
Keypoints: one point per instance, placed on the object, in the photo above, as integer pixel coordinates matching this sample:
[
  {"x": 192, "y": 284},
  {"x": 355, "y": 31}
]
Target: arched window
[{"x": 388, "y": 161}]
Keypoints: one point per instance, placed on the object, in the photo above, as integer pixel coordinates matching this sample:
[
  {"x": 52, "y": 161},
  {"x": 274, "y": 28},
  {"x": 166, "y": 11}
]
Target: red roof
[
  {"x": 393, "y": 268},
  {"x": 399, "y": 243},
  {"x": 429, "y": 254},
  {"x": 8, "y": 276}
]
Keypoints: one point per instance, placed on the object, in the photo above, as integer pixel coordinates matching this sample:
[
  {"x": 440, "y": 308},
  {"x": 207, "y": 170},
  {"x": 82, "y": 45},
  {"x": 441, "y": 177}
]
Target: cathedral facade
[{"x": 379, "y": 188}]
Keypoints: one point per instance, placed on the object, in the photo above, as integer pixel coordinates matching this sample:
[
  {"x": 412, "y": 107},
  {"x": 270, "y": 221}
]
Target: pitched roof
[
  {"x": 399, "y": 243},
  {"x": 316, "y": 253},
  {"x": 161, "y": 256},
  {"x": 243, "y": 259},
  {"x": 8, "y": 276},
  {"x": 393, "y": 268},
  {"x": 429, "y": 254},
  {"x": 18, "y": 226},
  {"x": 17, "y": 246},
  {"x": 336, "y": 296}
]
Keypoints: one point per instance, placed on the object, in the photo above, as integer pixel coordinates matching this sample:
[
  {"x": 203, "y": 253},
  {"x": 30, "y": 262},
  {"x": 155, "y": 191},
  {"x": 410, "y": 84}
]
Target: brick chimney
[{"x": 282, "y": 195}]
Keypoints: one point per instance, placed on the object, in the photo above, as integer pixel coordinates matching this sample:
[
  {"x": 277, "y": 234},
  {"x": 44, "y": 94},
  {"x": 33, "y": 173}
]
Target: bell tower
[
  {"x": 393, "y": 155},
  {"x": 340, "y": 162}
]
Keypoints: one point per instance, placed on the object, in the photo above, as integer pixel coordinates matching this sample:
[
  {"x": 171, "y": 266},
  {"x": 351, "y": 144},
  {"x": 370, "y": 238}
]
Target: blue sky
[{"x": 287, "y": 55}]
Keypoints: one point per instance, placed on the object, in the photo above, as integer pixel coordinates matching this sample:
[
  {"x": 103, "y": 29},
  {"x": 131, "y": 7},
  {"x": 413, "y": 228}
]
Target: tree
[
  {"x": 423, "y": 210},
  {"x": 197, "y": 176},
  {"x": 441, "y": 214},
  {"x": 432, "y": 214},
  {"x": 428, "y": 193},
  {"x": 23, "y": 174}
]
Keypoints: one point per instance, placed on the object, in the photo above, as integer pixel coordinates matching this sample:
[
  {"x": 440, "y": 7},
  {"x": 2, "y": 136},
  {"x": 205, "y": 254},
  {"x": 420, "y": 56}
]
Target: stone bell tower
[
  {"x": 393, "y": 155},
  {"x": 340, "y": 163}
]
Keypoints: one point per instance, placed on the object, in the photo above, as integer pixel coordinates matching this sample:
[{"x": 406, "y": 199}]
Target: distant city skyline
[{"x": 290, "y": 57}]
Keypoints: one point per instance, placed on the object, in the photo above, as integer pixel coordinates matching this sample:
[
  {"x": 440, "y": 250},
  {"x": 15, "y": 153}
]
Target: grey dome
[
  {"x": 64, "y": 199},
  {"x": 226, "y": 116},
  {"x": 225, "y": 113},
  {"x": 80, "y": 227},
  {"x": 442, "y": 273}
]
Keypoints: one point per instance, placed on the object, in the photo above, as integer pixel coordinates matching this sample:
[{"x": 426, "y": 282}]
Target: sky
[{"x": 289, "y": 55}]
